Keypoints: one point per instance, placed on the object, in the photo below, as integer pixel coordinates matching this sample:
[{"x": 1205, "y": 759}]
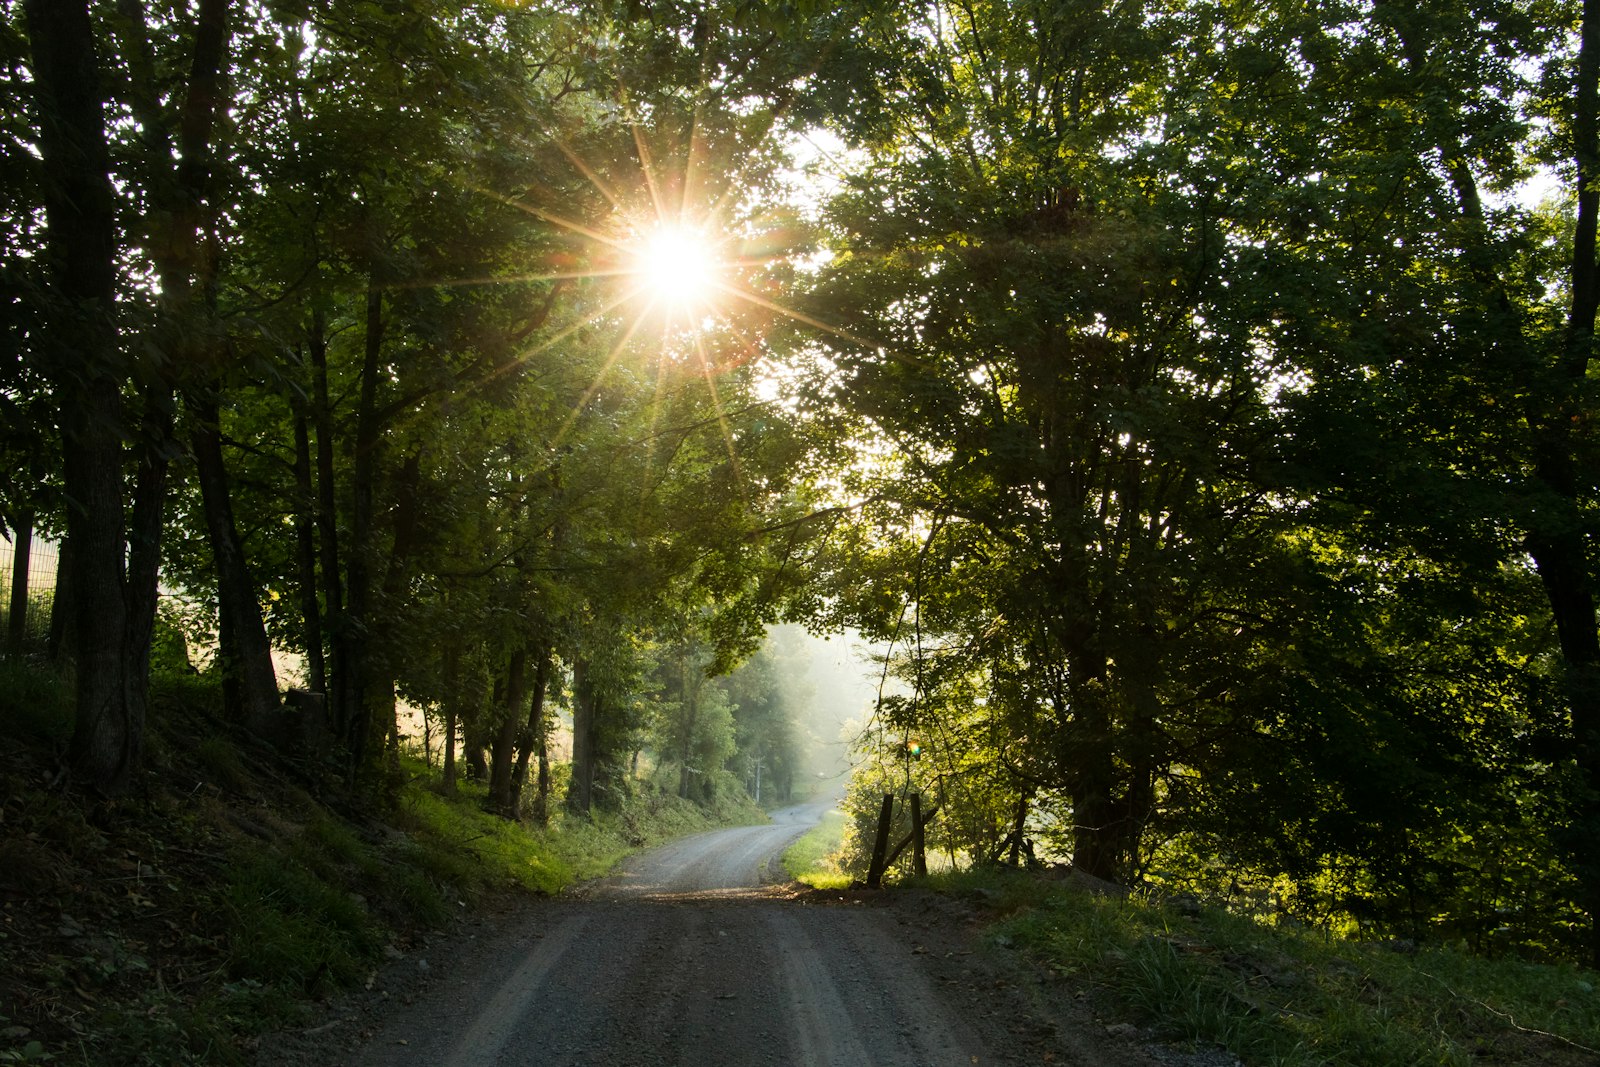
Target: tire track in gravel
[{"x": 687, "y": 956}]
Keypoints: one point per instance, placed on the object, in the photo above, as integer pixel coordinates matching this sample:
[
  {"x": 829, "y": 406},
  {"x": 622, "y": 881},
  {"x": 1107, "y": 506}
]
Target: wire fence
[{"x": 44, "y": 557}]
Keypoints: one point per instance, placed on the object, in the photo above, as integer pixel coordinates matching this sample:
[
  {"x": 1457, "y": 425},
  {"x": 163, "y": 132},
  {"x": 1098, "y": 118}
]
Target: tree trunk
[
  {"x": 249, "y": 683},
  {"x": 107, "y": 743},
  {"x": 358, "y": 584},
  {"x": 383, "y": 715},
  {"x": 541, "y": 801},
  {"x": 1088, "y": 762},
  {"x": 339, "y": 711},
  {"x": 81, "y": 358},
  {"x": 305, "y": 533},
  {"x": 476, "y": 743},
  {"x": 691, "y": 713},
  {"x": 1559, "y": 550},
  {"x": 1089, "y": 746},
  {"x": 178, "y": 189},
  {"x": 380, "y": 669},
  {"x": 17, "y": 621},
  {"x": 533, "y": 736},
  {"x": 452, "y": 701},
  {"x": 144, "y": 535},
  {"x": 503, "y": 755},
  {"x": 585, "y": 734}
]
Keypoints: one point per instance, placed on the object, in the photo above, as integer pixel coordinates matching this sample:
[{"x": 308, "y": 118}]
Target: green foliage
[
  {"x": 955, "y": 772},
  {"x": 31, "y": 1052},
  {"x": 38, "y": 610},
  {"x": 35, "y": 702},
  {"x": 169, "y": 642}
]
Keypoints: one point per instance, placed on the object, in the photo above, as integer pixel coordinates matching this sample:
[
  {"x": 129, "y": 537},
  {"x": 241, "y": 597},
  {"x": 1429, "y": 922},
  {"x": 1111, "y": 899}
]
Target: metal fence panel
[{"x": 43, "y": 560}]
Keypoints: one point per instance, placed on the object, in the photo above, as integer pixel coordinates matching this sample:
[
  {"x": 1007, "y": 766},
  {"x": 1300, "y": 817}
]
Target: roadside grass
[
  {"x": 460, "y": 843},
  {"x": 812, "y": 858},
  {"x": 1290, "y": 996},
  {"x": 230, "y": 894}
]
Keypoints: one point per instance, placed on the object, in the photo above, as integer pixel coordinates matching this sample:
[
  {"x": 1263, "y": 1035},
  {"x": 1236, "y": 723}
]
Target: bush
[{"x": 35, "y": 702}]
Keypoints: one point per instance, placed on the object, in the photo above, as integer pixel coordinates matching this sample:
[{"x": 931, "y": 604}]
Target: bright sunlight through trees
[{"x": 677, "y": 267}]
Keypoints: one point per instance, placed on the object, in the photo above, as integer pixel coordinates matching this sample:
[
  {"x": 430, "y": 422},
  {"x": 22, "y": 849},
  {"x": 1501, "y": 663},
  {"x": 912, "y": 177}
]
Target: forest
[{"x": 1194, "y": 397}]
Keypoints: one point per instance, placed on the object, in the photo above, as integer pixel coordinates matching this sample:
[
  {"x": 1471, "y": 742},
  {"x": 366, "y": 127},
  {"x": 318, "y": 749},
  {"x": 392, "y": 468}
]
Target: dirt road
[{"x": 688, "y": 956}]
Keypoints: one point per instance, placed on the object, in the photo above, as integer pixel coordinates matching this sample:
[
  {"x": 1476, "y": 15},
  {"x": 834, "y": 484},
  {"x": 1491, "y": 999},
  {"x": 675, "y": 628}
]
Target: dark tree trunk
[
  {"x": 585, "y": 734},
  {"x": 249, "y": 684},
  {"x": 358, "y": 586},
  {"x": 1094, "y": 807},
  {"x": 107, "y": 743},
  {"x": 475, "y": 742},
  {"x": 503, "y": 756},
  {"x": 339, "y": 712},
  {"x": 452, "y": 701},
  {"x": 533, "y": 736},
  {"x": 380, "y": 669},
  {"x": 541, "y": 800},
  {"x": 383, "y": 715},
  {"x": 81, "y": 358},
  {"x": 17, "y": 621},
  {"x": 1087, "y": 759},
  {"x": 1560, "y": 549},
  {"x": 144, "y": 535},
  {"x": 305, "y": 532}
]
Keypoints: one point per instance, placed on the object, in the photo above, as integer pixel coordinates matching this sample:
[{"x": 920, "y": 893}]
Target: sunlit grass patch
[
  {"x": 812, "y": 858},
  {"x": 1293, "y": 996},
  {"x": 458, "y": 841}
]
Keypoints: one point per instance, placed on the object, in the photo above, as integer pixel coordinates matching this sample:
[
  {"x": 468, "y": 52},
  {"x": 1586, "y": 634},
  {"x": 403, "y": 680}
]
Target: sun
[{"x": 677, "y": 267}]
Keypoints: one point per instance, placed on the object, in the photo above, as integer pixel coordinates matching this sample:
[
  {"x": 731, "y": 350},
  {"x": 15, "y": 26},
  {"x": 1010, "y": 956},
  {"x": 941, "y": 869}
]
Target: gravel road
[{"x": 692, "y": 955}]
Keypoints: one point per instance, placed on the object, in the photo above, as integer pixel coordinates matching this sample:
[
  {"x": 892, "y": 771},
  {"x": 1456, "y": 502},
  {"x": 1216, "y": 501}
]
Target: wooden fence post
[
  {"x": 919, "y": 857},
  {"x": 880, "y": 847}
]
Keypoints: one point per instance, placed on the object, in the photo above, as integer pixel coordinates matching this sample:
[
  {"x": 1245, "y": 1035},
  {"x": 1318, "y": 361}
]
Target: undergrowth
[{"x": 1287, "y": 995}]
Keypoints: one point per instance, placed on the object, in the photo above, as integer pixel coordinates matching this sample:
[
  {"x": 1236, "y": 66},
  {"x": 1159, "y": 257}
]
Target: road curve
[
  {"x": 682, "y": 959},
  {"x": 720, "y": 864}
]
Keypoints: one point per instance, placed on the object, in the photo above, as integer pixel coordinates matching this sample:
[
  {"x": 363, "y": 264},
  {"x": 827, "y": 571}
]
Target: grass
[
  {"x": 1292, "y": 996},
  {"x": 34, "y": 703},
  {"x": 812, "y": 858}
]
